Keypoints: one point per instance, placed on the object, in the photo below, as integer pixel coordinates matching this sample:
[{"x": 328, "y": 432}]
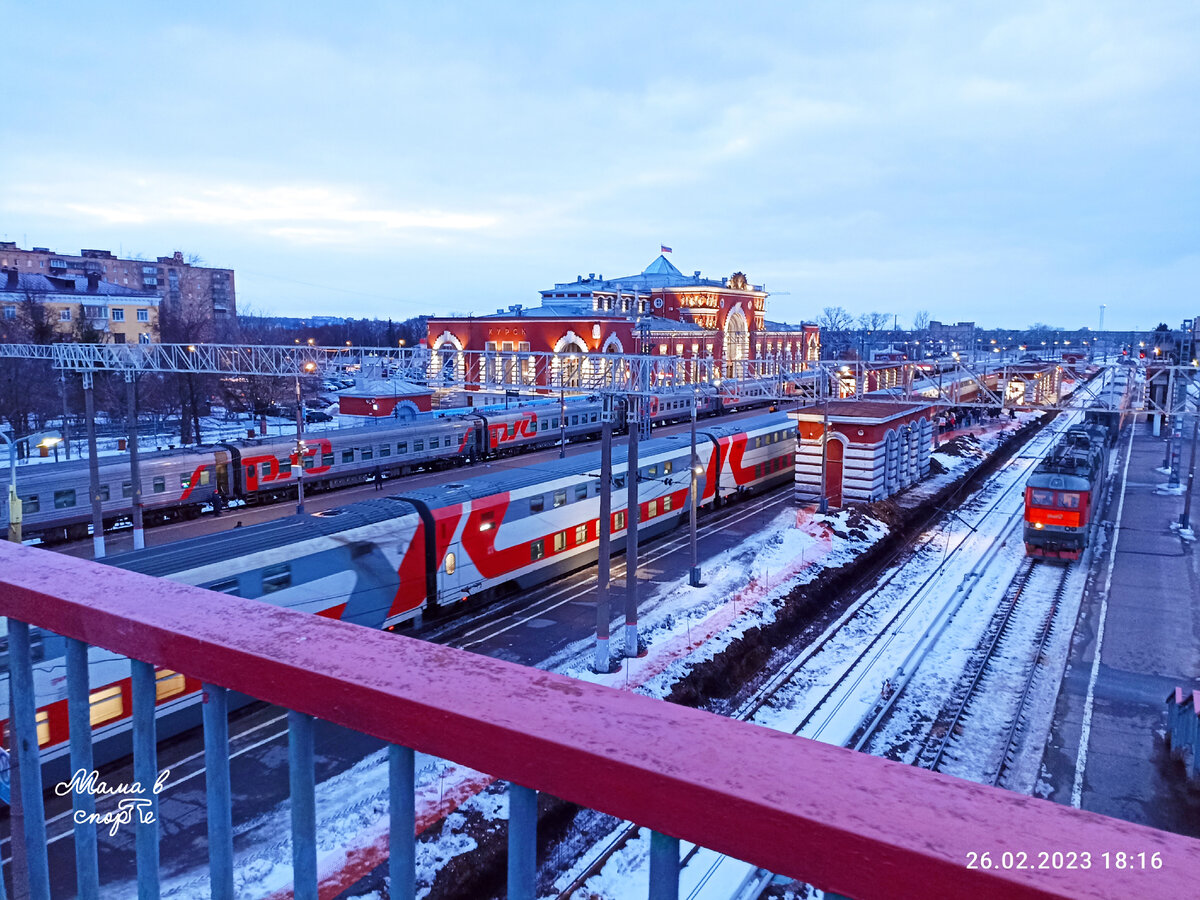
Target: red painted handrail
[{"x": 845, "y": 821}]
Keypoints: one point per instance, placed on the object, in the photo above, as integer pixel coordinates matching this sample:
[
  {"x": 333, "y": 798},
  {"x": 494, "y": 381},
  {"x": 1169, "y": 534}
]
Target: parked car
[{"x": 315, "y": 415}]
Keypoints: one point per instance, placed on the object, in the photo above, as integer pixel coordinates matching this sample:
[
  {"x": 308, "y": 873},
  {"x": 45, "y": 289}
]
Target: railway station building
[{"x": 658, "y": 311}]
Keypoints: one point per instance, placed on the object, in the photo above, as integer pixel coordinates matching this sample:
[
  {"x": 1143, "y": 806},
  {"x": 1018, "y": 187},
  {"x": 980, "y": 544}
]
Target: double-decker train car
[
  {"x": 388, "y": 562},
  {"x": 178, "y": 483},
  {"x": 1063, "y": 494}
]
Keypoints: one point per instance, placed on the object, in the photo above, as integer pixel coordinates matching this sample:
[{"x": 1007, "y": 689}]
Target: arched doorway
[
  {"x": 446, "y": 363},
  {"x": 834, "y": 462},
  {"x": 737, "y": 341},
  {"x": 569, "y": 354}
]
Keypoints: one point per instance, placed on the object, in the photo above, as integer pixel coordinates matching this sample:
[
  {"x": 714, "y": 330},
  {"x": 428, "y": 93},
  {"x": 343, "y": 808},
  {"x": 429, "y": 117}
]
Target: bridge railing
[{"x": 849, "y": 823}]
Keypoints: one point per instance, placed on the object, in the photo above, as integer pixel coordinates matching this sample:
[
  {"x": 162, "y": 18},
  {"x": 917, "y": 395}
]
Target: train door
[{"x": 834, "y": 462}]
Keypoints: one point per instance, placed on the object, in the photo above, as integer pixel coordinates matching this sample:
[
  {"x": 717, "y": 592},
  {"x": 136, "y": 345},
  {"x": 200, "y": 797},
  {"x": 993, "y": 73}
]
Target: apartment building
[
  {"x": 69, "y": 301},
  {"x": 197, "y": 293}
]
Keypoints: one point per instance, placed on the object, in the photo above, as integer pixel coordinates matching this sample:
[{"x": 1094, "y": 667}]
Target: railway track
[{"x": 951, "y": 735}]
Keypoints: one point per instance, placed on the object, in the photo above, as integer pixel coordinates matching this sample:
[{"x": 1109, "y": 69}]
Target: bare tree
[
  {"x": 921, "y": 321},
  {"x": 835, "y": 318}
]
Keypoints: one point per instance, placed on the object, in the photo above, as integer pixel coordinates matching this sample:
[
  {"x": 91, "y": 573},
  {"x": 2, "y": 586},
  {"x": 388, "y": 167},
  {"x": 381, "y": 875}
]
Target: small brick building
[
  {"x": 385, "y": 398},
  {"x": 875, "y": 450}
]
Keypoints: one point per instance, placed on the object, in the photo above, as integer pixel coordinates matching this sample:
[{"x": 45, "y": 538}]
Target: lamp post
[{"x": 309, "y": 368}]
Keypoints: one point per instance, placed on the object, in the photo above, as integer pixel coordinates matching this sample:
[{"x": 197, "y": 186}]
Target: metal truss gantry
[{"x": 1028, "y": 385}]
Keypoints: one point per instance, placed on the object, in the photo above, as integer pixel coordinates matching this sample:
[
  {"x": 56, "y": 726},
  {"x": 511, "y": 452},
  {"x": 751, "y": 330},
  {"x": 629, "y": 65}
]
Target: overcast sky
[{"x": 1005, "y": 162}]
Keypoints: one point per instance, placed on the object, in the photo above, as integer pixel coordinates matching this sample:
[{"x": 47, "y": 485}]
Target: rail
[{"x": 846, "y": 822}]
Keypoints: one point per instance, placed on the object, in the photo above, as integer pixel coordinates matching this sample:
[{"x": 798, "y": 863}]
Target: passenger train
[
  {"x": 388, "y": 562},
  {"x": 177, "y": 483},
  {"x": 1063, "y": 495}
]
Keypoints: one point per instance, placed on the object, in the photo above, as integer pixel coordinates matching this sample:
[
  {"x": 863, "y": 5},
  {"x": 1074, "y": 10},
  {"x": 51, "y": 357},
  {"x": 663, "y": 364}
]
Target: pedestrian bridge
[{"x": 849, "y": 823}]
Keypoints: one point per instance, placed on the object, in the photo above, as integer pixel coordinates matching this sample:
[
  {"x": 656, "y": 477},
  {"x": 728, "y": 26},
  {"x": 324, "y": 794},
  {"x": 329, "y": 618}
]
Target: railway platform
[{"x": 1137, "y": 639}]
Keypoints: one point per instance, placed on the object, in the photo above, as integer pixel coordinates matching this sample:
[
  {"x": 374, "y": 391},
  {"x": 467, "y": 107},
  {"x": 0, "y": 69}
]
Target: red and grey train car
[
  {"x": 177, "y": 483},
  {"x": 386, "y": 562},
  {"x": 1063, "y": 494}
]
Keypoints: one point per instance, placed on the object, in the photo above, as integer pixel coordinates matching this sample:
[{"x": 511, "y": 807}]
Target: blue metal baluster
[
  {"x": 522, "y": 842},
  {"x": 402, "y": 842},
  {"x": 302, "y": 775},
  {"x": 664, "y": 867},
  {"x": 145, "y": 773},
  {"x": 220, "y": 802},
  {"x": 24, "y": 715},
  {"x": 79, "y": 714}
]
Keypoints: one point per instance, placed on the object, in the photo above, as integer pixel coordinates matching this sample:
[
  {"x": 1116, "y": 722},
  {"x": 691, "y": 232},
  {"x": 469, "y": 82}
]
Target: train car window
[
  {"x": 385, "y": 450},
  {"x": 668, "y": 466},
  {"x": 537, "y": 550},
  {"x": 560, "y": 541},
  {"x": 167, "y": 683},
  {"x": 450, "y": 563},
  {"x": 104, "y": 492},
  {"x": 327, "y": 460},
  {"x": 32, "y": 503},
  {"x": 652, "y": 509},
  {"x": 105, "y": 705},
  {"x": 228, "y": 586},
  {"x": 1041, "y": 498},
  {"x": 204, "y": 476},
  {"x": 556, "y": 422},
  {"x": 653, "y": 472},
  {"x": 592, "y": 418},
  {"x": 545, "y": 424},
  {"x": 581, "y": 534},
  {"x": 126, "y": 488},
  {"x": 308, "y": 461},
  {"x": 285, "y": 463},
  {"x": 64, "y": 499},
  {"x": 619, "y": 481},
  {"x": 402, "y": 447},
  {"x": 667, "y": 503},
  {"x": 1069, "y": 500},
  {"x": 418, "y": 446},
  {"x": 596, "y": 488},
  {"x": 43, "y": 728},
  {"x": 277, "y": 577},
  {"x": 560, "y": 498},
  {"x": 434, "y": 443},
  {"x": 160, "y": 484},
  {"x": 347, "y": 456},
  {"x": 537, "y": 504},
  {"x": 368, "y": 453},
  {"x": 619, "y": 521},
  {"x": 574, "y": 420},
  {"x": 581, "y": 492}
]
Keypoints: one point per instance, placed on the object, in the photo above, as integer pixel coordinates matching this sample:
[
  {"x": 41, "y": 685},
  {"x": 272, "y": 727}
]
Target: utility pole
[
  {"x": 1184, "y": 518},
  {"x": 299, "y": 450},
  {"x": 693, "y": 496},
  {"x": 603, "y": 659},
  {"x": 135, "y": 480},
  {"x": 562, "y": 423},
  {"x": 632, "y": 512},
  {"x": 89, "y": 403},
  {"x": 823, "y": 504}
]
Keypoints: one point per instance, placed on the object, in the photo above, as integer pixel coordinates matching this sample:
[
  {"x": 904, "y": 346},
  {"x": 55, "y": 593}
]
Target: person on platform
[{"x": 378, "y": 476}]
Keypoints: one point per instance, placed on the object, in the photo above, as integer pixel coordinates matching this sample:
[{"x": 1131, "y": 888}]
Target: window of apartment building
[
  {"x": 143, "y": 338},
  {"x": 10, "y": 312},
  {"x": 64, "y": 315},
  {"x": 118, "y": 315},
  {"x": 143, "y": 315},
  {"x": 118, "y": 338},
  {"x": 149, "y": 270}
]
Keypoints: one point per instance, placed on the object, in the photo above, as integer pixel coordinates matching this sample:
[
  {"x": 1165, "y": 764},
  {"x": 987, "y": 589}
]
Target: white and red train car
[{"x": 384, "y": 563}]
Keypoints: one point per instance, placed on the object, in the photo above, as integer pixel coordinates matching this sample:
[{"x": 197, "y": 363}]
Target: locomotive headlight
[{"x": 1037, "y": 525}]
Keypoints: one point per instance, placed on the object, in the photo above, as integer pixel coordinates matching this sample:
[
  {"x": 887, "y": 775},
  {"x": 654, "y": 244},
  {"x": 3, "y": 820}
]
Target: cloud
[{"x": 304, "y": 214}]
